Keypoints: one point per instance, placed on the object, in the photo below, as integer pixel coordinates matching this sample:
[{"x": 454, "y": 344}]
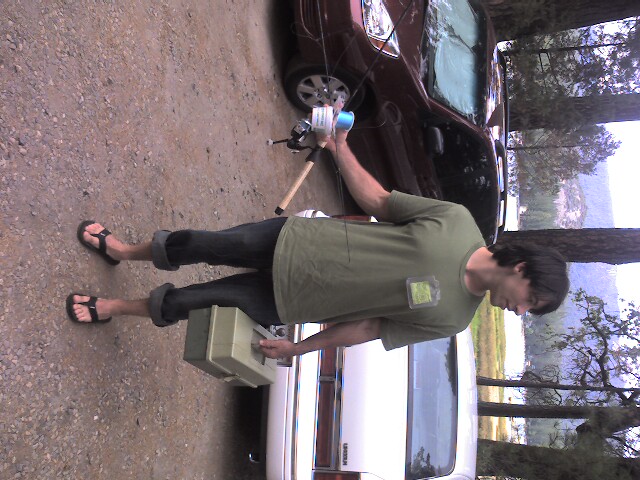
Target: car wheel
[{"x": 308, "y": 86}]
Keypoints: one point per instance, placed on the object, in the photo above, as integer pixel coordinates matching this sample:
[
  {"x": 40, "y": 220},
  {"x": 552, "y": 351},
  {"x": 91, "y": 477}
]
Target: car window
[
  {"x": 454, "y": 56},
  {"x": 433, "y": 409}
]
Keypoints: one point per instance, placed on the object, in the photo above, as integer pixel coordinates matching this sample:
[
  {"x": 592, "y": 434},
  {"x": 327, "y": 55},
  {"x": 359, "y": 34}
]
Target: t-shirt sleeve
[
  {"x": 395, "y": 333},
  {"x": 404, "y": 207}
]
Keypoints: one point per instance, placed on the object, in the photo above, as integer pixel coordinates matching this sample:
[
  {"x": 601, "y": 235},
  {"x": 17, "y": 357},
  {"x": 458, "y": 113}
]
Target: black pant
[{"x": 247, "y": 246}]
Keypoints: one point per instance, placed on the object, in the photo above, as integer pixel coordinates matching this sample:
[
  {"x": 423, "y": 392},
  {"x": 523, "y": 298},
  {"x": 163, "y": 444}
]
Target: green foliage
[
  {"x": 598, "y": 60},
  {"x": 601, "y": 59},
  {"x": 541, "y": 212},
  {"x": 489, "y": 343},
  {"x": 603, "y": 349},
  {"x": 545, "y": 158},
  {"x": 421, "y": 467}
]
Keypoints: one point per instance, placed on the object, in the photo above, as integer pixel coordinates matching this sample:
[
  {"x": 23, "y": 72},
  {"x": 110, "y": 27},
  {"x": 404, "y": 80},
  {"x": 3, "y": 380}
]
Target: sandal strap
[
  {"x": 93, "y": 311},
  {"x": 102, "y": 239}
]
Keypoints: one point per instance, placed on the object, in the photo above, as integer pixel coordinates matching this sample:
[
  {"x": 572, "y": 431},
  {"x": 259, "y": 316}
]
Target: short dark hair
[{"x": 545, "y": 268}]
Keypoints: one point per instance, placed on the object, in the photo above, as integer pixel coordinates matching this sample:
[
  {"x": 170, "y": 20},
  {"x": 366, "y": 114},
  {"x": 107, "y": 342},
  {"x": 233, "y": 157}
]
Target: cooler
[{"x": 219, "y": 341}]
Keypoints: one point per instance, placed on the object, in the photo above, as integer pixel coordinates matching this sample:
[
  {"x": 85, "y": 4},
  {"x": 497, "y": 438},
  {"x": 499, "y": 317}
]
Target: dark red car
[{"x": 427, "y": 85}]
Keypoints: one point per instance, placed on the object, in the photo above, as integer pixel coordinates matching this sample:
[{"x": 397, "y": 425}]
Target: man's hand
[
  {"x": 330, "y": 142},
  {"x": 339, "y": 335},
  {"x": 277, "y": 348}
]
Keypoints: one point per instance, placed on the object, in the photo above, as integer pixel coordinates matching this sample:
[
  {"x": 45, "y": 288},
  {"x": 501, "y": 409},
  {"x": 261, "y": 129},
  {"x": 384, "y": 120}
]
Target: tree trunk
[
  {"x": 576, "y": 48},
  {"x": 542, "y": 463},
  {"x": 499, "y": 382},
  {"x": 520, "y": 18},
  {"x": 602, "y": 422},
  {"x": 604, "y": 414},
  {"x": 564, "y": 113},
  {"x": 586, "y": 245},
  {"x": 524, "y": 148}
]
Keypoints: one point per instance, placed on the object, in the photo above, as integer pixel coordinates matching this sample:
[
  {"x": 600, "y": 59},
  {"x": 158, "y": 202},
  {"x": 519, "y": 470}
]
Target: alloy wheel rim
[{"x": 318, "y": 90}]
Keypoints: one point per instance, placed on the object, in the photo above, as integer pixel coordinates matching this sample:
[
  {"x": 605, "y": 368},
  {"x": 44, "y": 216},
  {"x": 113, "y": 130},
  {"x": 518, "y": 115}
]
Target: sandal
[
  {"x": 91, "y": 303},
  {"x": 102, "y": 239}
]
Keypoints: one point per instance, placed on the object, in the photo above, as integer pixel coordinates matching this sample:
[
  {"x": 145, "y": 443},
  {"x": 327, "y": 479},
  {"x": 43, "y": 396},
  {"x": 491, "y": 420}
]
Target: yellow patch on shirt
[
  {"x": 420, "y": 292},
  {"x": 423, "y": 291}
]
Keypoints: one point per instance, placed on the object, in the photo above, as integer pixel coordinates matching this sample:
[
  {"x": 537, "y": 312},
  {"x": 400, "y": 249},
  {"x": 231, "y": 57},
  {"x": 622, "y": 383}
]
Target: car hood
[{"x": 374, "y": 411}]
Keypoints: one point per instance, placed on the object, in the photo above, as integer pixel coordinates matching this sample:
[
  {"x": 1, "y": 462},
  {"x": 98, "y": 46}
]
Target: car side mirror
[{"x": 435, "y": 141}]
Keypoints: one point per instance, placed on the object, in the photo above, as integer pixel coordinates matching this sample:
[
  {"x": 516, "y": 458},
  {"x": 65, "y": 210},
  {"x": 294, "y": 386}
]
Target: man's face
[{"x": 514, "y": 292}]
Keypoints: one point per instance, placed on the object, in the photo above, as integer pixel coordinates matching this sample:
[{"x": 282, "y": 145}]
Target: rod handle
[
  {"x": 311, "y": 158},
  {"x": 294, "y": 187}
]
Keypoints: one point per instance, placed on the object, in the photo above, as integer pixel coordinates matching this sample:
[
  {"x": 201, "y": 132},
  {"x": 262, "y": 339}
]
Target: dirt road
[{"x": 142, "y": 115}]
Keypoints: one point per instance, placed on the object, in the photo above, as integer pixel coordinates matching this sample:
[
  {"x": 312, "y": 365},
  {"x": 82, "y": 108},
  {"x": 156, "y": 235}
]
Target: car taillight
[
  {"x": 328, "y": 410},
  {"x": 326, "y": 454},
  {"x": 336, "y": 476}
]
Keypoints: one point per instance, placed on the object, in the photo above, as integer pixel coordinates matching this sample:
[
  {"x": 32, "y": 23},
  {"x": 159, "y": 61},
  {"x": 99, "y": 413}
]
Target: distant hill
[{"x": 571, "y": 205}]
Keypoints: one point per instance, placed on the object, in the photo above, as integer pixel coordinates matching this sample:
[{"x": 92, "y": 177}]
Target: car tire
[{"x": 307, "y": 86}]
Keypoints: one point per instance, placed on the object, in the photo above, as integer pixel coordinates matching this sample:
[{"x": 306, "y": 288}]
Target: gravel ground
[{"x": 142, "y": 115}]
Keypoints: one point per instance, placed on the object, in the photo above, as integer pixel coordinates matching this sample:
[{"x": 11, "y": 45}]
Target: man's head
[{"x": 538, "y": 278}]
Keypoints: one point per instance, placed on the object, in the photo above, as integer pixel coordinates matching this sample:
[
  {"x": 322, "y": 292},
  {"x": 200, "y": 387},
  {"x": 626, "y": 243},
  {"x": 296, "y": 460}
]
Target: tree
[
  {"x": 543, "y": 463},
  {"x": 602, "y": 352},
  {"x": 576, "y": 49},
  {"x": 518, "y": 18},
  {"x": 544, "y": 159},
  {"x": 567, "y": 112},
  {"x": 611, "y": 419},
  {"x": 603, "y": 348},
  {"x": 539, "y": 382},
  {"x": 421, "y": 466},
  {"x": 607, "y": 245},
  {"x": 601, "y": 423},
  {"x": 562, "y": 86},
  {"x": 570, "y": 79}
]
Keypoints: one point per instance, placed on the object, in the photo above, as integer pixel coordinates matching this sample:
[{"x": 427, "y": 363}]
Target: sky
[{"x": 624, "y": 174}]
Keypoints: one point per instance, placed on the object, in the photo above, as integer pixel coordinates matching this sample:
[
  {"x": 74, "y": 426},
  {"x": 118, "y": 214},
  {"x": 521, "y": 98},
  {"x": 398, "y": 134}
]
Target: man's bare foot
[
  {"x": 100, "y": 240},
  {"x": 85, "y": 309}
]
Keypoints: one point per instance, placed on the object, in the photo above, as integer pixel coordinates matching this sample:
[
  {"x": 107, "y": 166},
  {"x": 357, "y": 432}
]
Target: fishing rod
[
  {"x": 323, "y": 117},
  {"x": 324, "y": 121}
]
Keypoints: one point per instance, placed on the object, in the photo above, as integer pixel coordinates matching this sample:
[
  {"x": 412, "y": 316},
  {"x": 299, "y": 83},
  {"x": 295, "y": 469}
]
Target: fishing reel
[
  {"x": 298, "y": 135},
  {"x": 323, "y": 121}
]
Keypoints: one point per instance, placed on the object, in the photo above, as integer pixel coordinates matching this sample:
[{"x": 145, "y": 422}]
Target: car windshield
[
  {"x": 433, "y": 409},
  {"x": 454, "y": 56}
]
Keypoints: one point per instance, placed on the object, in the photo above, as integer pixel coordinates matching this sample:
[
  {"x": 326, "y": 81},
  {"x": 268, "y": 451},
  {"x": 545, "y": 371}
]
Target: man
[{"x": 417, "y": 275}]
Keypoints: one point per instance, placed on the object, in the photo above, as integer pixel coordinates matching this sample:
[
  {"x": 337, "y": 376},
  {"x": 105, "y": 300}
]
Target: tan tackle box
[{"x": 219, "y": 341}]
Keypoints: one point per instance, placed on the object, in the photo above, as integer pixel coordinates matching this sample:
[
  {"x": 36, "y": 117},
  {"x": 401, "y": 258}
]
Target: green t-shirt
[{"x": 329, "y": 270}]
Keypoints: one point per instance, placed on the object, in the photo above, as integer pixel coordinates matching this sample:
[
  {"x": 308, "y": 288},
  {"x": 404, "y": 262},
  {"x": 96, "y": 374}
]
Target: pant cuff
[
  {"x": 159, "y": 251},
  {"x": 156, "y": 298}
]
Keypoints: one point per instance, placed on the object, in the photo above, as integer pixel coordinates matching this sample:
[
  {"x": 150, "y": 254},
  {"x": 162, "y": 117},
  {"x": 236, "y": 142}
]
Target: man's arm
[
  {"x": 364, "y": 189},
  {"x": 338, "y": 335}
]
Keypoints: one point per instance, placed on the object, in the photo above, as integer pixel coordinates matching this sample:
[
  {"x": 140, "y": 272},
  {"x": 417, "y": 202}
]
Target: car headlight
[{"x": 378, "y": 26}]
